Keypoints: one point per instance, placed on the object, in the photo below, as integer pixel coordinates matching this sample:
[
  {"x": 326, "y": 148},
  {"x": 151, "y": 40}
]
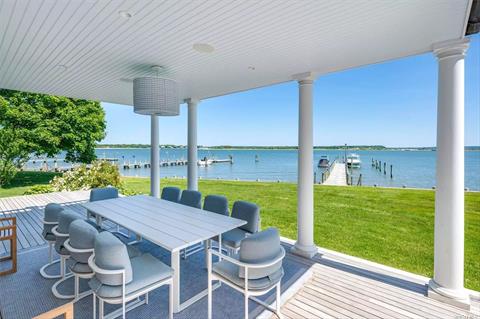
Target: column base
[
  {"x": 304, "y": 251},
  {"x": 460, "y": 299}
]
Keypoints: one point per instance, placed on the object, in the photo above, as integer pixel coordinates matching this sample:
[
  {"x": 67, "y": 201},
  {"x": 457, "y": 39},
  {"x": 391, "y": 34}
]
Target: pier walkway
[{"x": 337, "y": 175}]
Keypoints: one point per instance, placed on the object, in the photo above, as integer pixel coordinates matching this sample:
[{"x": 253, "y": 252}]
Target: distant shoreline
[{"x": 283, "y": 148}]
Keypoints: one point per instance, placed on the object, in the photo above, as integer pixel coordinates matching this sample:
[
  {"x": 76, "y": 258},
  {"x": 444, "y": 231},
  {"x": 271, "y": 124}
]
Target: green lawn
[
  {"x": 390, "y": 226},
  {"x": 25, "y": 180}
]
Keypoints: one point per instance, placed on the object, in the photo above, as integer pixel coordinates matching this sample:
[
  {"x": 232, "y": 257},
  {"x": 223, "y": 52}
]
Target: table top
[{"x": 170, "y": 225}]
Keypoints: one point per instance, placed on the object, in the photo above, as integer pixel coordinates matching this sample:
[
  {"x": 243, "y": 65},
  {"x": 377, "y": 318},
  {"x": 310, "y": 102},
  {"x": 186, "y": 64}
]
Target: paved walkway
[{"x": 337, "y": 175}]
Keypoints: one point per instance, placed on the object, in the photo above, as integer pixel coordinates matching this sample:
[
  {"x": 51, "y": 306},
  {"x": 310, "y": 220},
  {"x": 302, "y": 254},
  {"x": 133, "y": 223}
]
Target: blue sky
[{"x": 391, "y": 104}]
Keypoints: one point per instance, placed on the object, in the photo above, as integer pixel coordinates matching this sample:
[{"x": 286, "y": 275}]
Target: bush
[
  {"x": 127, "y": 191},
  {"x": 39, "y": 189},
  {"x": 83, "y": 177},
  {"x": 7, "y": 172}
]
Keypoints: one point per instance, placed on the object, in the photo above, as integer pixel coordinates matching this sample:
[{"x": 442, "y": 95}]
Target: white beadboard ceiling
[{"x": 256, "y": 43}]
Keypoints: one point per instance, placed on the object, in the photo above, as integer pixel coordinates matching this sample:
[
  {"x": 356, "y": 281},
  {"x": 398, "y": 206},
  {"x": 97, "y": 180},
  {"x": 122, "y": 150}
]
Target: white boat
[
  {"x": 205, "y": 162},
  {"x": 353, "y": 160}
]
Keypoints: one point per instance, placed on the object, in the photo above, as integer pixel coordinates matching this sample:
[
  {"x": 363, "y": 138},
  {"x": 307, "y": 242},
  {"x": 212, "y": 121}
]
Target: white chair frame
[
  {"x": 246, "y": 292},
  {"x": 51, "y": 243},
  {"x": 124, "y": 299},
  {"x": 63, "y": 268},
  {"x": 77, "y": 294}
]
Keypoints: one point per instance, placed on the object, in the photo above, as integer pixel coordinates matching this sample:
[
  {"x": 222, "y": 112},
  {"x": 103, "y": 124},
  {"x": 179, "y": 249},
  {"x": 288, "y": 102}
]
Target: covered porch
[{"x": 96, "y": 50}]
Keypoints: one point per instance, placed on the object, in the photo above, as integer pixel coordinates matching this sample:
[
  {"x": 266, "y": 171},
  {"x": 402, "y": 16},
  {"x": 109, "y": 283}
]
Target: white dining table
[{"x": 169, "y": 225}]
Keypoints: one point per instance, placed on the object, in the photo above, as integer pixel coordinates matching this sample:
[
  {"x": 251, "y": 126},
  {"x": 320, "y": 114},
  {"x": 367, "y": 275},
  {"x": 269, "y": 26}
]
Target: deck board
[{"x": 338, "y": 288}]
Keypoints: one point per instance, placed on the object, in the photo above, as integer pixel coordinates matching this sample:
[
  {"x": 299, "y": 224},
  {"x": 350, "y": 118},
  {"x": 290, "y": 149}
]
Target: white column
[
  {"x": 305, "y": 245},
  {"x": 154, "y": 158},
  {"x": 192, "y": 174},
  {"x": 447, "y": 283}
]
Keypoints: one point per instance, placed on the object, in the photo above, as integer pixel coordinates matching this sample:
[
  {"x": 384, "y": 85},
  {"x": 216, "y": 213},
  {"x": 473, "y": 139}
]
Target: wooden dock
[
  {"x": 337, "y": 175},
  {"x": 341, "y": 286}
]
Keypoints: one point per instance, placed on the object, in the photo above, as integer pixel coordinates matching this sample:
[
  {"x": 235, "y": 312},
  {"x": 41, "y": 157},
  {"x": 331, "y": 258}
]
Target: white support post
[
  {"x": 447, "y": 284},
  {"x": 192, "y": 174},
  {"x": 305, "y": 245},
  {"x": 154, "y": 158}
]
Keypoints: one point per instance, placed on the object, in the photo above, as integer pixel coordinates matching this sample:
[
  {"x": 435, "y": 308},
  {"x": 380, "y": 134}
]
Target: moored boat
[
  {"x": 324, "y": 161},
  {"x": 353, "y": 160}
]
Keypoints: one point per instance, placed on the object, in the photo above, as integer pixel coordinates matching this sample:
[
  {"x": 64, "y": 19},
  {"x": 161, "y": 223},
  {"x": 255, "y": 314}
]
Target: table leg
[
  {"x": 206, "y": 245},
  {"x": 175, "y": 263}
]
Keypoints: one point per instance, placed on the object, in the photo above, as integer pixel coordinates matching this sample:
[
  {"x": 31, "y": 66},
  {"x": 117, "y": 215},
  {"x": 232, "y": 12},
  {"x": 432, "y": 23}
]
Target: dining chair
[
  {"x": 216, "y": 204},
  {"x": 119, "y": 279},
  {"x": 103, "y": 193},
  {"x": 256, "y": 272},
  {"x": 212, "y": 203},
  {"x": 191, "y": 198},
  {"x": 249, "y": 212},
  {"x": 80, "y": 244},
  {"x": 51, "y": 214},
  {"x": 61, "y": 232},
  {"x": 171, "y": 194}
]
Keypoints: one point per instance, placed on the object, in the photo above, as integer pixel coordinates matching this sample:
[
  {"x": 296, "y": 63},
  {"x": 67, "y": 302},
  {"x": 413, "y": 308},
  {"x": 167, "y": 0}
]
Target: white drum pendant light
[{"x": 155, "y": 96}]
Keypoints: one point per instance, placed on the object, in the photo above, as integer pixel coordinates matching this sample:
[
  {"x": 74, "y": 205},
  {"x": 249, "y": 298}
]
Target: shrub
[
  {"x": 7, "y": 172},
  {"x": 83, "y": 177},
  {"x": 39, "y": 189}
]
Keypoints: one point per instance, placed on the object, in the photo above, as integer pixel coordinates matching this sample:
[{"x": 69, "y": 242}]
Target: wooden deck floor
[
  {"x": 29, "y": 213},
  {"x": 340, "y": 287}
]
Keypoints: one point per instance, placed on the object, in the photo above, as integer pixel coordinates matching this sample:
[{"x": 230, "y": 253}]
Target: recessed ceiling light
[
  {"x": 203, "y": 48},
  {"x": 125, "y": 14}
]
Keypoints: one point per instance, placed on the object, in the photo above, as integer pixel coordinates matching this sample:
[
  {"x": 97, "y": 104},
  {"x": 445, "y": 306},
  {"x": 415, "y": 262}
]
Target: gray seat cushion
[
  {"x": 249, "y": 212},
  {"x": 133, "y": 252},
  {"x": 234, "y": 237},
  {"x": 229, "y": 272},
  {"x": 112, "y": 254},
  {"x": 191, "y": 198},
  {"x": 147, "y": 270},
  {"x": 51, "y": 214},
  {"x": 77, "y": 267},
  {"x": 216, "y": 204},
  {"x": 49, "y": 236},
  {"x": 171, "y": 194},
  {"x": 260, "y": 248},
  {"x": 82, "y": 236}
]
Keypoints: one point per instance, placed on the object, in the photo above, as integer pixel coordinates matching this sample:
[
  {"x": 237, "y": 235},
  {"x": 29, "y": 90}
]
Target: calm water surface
[{"x": 410, "y": 168}]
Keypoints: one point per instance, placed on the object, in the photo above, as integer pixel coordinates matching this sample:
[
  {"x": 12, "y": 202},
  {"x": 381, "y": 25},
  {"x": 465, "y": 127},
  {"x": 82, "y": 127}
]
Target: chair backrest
[
  {"x": 66, "y": 217},
  {"x": 261, "y": 247},
  {"x": 217, "y": 204},
  {"x": 249, "y": 212},
  {"x": 171, "y": 194},
  {"x": 82, "y": 236},
  {"x": 51, "y": 214},
  {"x": 103, "y": 193},
  {"x": 112, "y": 254},
  {"x": 191, "y": 198}
]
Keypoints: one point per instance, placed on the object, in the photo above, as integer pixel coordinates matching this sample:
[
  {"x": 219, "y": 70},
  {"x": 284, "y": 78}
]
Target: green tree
[{"x": 40, "y": 124}]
